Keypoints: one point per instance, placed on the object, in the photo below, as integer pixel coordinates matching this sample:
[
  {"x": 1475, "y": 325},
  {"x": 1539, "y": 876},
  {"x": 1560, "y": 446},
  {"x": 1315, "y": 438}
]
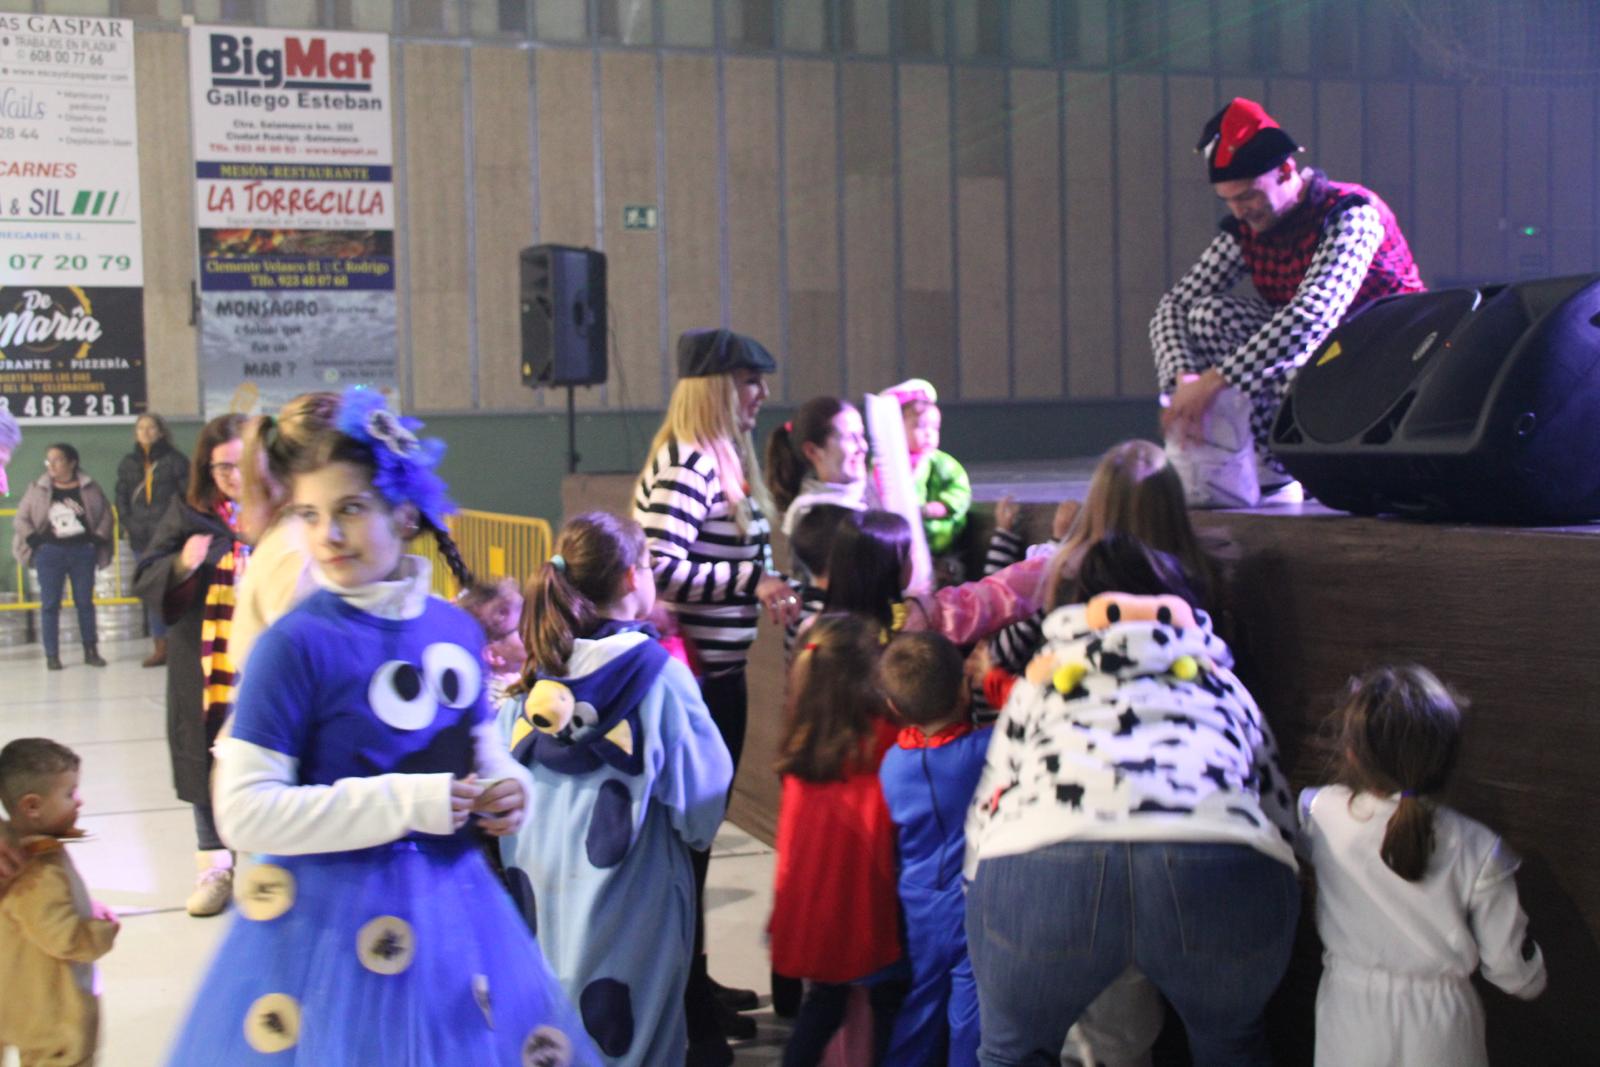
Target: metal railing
[
  {"x": 115, "y": 569},
  {"x": 493, "y": 545}
]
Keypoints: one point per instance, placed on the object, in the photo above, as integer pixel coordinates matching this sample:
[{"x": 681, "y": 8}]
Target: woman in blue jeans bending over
[
  {"x": 1131, "y": 813},
  {"x": 63, "y": 530}
]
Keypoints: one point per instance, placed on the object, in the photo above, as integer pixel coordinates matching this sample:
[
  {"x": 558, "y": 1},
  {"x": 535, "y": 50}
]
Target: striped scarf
[{"x": 216, "y": 667}]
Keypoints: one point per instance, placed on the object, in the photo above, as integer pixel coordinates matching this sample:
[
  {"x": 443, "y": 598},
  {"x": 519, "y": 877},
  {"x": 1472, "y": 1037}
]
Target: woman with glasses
[
  {"x": 188, "y": 575},
  {"x": 63, "y": 530}
]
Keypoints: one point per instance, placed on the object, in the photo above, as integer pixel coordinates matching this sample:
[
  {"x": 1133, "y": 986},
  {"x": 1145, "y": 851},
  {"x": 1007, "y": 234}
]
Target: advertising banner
[
  {"x": 71, "y": 275},
  {"x": 294, "y": 202}
]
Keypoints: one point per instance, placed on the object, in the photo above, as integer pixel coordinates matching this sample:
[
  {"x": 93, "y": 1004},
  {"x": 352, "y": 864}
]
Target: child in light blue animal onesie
[{"x": 629, "y": 774}]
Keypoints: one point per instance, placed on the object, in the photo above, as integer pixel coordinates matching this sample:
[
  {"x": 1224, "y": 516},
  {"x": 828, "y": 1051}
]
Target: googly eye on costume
[
  {"x": 480, "y": 995},
  {"x": 453, "y": 674},
  {"x": 546, "y": 1047},
  {"x": 549, "y": 706},
  {"x": 264, "y": 892},
  {"x": 399, "y": 695},
  {"x": 386, "y": 945},
  {"x": 584, "y": 715},
  {"x": 273, "y": 1023}
]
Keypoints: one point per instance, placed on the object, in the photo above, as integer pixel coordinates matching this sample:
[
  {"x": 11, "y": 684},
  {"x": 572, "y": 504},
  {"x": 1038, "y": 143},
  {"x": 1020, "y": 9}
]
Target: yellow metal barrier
[
  {"x": 494, "y": 546},
  {"x": 119, "y": 594}
]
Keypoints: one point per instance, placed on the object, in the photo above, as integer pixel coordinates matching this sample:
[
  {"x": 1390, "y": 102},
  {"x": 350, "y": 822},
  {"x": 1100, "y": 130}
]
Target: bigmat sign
[
  {"x": 71, "y": 276},
  {"x": 294, "y": 198}
]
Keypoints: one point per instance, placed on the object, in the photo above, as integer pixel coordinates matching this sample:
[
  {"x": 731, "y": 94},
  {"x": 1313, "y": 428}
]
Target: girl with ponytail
[
  {"x": 280, "y": 563},
  {"x": 615, "y": 735},
  {"x": 1412, "y": 896},
  {"x": 361, "y": 745}
]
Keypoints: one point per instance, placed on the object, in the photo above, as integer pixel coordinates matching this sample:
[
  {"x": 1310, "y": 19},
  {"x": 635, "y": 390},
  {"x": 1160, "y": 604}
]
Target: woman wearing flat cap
[{"x": 704, "y": 510}]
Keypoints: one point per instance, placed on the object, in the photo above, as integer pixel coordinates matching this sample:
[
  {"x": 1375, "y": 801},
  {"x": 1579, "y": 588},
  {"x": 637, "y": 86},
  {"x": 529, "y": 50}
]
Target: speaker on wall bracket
[{"x": 1467, "y": 404}]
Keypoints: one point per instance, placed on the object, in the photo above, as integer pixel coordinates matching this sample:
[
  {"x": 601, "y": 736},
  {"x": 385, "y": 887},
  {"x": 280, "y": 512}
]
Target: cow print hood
[
  {"x": 1132, "y": 649},
  {"x": 1130, "y": 730}
]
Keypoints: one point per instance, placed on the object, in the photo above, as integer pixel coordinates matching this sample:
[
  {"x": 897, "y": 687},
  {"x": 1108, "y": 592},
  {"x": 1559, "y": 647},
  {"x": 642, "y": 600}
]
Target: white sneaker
[
  {"x": 1277, "y": 485},
  {"x": 214, "y": 884}
]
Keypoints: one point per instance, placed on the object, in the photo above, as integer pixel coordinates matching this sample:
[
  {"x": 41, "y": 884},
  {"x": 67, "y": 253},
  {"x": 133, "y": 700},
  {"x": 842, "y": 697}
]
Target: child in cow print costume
[{"x": 1131, "y": 812}]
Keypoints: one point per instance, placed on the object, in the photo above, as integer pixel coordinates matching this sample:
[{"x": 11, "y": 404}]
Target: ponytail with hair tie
[
  {"x": 1400, "y": 731},
  {"x": 567, "y": 593}
]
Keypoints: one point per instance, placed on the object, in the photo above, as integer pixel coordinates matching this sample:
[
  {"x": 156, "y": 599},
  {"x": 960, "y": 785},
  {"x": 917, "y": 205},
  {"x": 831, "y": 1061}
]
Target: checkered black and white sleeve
[
  {"x": 1216, "y": 271},
  {"x": 1269, "y": 359}
]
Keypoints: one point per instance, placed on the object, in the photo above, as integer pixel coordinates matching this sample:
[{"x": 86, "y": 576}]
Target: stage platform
[{"x": 1508, "y": 616}]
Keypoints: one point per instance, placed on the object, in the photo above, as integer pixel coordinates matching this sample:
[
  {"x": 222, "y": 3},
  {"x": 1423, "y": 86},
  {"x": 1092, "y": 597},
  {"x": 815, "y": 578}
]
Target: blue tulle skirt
[{"x": 407, "y": 955}]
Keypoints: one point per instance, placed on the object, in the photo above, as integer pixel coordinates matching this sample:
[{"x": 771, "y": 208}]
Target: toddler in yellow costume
[{"x": 50, "y": 931}]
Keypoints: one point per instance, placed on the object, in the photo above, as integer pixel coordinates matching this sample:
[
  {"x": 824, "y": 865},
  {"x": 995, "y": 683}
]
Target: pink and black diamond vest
[{"x": 1278, "y": 259}]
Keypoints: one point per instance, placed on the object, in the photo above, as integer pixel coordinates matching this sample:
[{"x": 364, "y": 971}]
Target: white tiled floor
[{"x": 139, "y": 859}]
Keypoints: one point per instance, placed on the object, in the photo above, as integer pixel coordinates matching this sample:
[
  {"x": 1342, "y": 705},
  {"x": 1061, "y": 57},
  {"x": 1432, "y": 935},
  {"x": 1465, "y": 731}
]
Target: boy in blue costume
[
  {"x": 372, "y": 932},
  {"x": 928, "y": 780},
  {"x": 619, "y": 742}
]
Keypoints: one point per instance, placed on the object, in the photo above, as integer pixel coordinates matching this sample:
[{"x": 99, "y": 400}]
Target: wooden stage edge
[{"x": 1507, "y": 616}]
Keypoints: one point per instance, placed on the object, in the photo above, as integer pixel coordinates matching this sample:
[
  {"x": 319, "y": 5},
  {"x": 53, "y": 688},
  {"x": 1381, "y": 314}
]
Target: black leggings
[
  {"x": 205, "y": 829},
  {"x": 727, "y": 699},
  {"x": 823, "y": 1011}
]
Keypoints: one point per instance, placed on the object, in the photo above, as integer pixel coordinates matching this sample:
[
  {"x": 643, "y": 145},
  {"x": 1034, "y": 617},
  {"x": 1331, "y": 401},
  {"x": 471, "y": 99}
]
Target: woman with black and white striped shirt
[{"x": 704, "y": 511}]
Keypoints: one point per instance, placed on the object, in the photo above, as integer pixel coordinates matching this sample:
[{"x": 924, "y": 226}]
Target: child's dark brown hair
[
  {"x": 562, "y": 603},
  {"x": 1399, "y": 731},
  {"x": 28, "y": 764},
  {"x": 835, "y": 704},
  {"x": 921, "y": 675}
]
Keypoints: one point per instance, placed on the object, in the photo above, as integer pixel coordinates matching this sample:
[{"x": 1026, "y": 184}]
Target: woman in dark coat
[
  {"x": 149, "y": 478},
  {"x": 188, "y": 574}
]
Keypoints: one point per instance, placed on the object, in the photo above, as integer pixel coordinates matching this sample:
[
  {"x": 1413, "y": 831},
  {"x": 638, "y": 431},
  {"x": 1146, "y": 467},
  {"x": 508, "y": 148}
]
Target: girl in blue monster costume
[
  {"x": 620, "y": 743},
  {"x": 372, "y": 931}
]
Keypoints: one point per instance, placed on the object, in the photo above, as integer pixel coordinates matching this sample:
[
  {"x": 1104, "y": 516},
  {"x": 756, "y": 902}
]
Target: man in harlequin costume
[{"x": 1317, "y": 251}]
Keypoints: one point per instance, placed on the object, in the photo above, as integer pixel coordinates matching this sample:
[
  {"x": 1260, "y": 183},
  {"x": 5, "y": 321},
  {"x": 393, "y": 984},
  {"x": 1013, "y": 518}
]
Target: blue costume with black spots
[
  {"x": 928, "y": 784},
  {"x": 371, "y": 933},
  {"x": 629, "y": 774}
]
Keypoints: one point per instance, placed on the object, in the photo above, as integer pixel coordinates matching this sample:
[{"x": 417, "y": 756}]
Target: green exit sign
[{"x": 638, "y": 217}]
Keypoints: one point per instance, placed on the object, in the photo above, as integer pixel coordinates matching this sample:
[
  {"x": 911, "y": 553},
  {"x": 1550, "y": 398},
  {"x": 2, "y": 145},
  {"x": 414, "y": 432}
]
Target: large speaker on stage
[
  {"x": 563, "y": 316},
  {"x": 1479, "y": 404}
]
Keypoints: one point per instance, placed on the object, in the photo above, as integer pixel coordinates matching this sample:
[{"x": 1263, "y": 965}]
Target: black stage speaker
[
  {"x": 1478, "y": 404},
  {"x": 563, "y": 316}
]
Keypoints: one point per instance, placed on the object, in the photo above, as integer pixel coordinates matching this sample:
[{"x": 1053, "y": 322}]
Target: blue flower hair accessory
[{"x": 405, "y": 462}]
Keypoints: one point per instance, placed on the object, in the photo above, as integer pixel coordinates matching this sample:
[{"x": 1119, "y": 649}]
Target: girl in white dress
[{"x": 1412, "y": 897}]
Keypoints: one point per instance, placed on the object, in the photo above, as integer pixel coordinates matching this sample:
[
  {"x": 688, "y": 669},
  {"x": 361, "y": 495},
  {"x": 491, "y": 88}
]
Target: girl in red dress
[{"x": 835, "y": 911}]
